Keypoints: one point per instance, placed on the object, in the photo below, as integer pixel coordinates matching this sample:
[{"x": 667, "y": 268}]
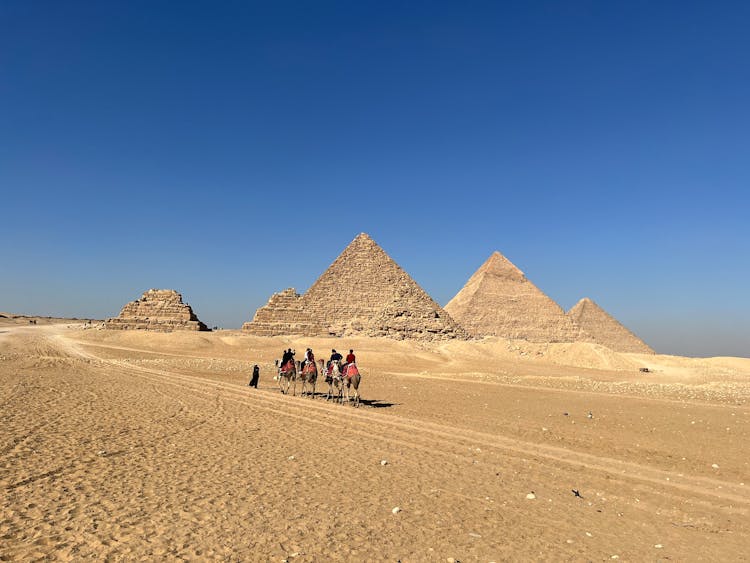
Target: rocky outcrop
[
  {"x": 364, "y": 292},
  {"x": 498, "y": 300},
  {"x": 599, "y": 327},
  {"x": 157, "y": 309}
]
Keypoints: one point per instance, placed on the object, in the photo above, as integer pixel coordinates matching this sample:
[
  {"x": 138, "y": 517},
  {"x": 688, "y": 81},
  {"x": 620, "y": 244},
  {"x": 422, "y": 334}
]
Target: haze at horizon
[{"x": 232, "y": 151}]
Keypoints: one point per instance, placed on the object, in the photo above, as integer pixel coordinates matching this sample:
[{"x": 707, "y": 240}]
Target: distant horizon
[
  {"x": 221, "y": 326},
  {"x": 231, "y": 150}
]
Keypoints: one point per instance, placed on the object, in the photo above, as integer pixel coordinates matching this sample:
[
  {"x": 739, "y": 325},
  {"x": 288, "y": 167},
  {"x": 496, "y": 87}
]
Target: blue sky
[{"x": 229, "y": 150}]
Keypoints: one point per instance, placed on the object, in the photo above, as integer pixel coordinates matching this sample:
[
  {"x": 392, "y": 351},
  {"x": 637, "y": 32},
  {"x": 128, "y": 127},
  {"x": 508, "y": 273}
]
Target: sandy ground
[{"x": 124, "y": 445}]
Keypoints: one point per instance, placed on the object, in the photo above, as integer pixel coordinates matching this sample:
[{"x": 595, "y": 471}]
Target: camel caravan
[{"x": 342, "y": 377}]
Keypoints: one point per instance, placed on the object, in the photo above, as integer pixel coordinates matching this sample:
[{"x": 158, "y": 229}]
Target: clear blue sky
[{"x": 232, "y": 149}]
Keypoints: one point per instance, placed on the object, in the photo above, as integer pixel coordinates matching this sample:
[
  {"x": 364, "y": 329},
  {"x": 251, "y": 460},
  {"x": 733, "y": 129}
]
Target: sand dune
[{"x": 143, "y": 446}]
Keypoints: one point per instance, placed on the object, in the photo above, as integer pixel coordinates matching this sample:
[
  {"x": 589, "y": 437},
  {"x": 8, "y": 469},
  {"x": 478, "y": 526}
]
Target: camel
[
  {"x": 353, "y": 379},
  {"x": 286, "y": 377},
  {"x": 309, "y": 375},
  {"x": 335, "y": 379}
]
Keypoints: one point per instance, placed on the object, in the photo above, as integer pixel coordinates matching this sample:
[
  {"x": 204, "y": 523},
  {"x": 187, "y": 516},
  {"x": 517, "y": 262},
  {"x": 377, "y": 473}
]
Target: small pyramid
[
  {"x": 600, "y": 327},
  {"x": 157, "y": 309},
  {"x": 498, "y": 300},
  {"x": 363, "y": 292}
]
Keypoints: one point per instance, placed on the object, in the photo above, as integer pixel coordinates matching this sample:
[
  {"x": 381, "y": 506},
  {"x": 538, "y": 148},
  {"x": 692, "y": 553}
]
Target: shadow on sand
[{"x": 372, "y": 403}]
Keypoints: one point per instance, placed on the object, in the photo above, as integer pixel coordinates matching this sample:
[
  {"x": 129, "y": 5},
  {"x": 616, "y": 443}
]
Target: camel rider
[
  {"x": 335, "y": 356},
  {"x": 288, "y": 357},
  {"x": 350, "y": 357},
  {"x": 309, "y": 358}
]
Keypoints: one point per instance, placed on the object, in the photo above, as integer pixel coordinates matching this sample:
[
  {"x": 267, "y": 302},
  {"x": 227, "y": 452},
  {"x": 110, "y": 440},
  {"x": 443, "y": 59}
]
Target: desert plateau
[{"x": 139, "y": 445}]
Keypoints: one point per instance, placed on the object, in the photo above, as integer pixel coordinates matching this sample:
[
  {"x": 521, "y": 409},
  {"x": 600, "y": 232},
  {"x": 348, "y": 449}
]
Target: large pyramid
[
  {"x": 157, "y": 309},
  {"x": 498, "y": 300},
  {"x": 598, "y": 326},
  {"x": 363, "y": 292}
]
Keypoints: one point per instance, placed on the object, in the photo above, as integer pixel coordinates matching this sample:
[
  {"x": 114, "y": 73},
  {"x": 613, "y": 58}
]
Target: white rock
[
  {"x": 396, "y": 510},
  {"x": 291, "y": 458},
  {"x": 589, "y": 534},
  {"x": 715, "y": 466},
  {"x": 615, "y": 557},
  {"x": 383, "y": 462},
  {"x": 531, "y": 496},
  {"x": 658, "y": 546}
]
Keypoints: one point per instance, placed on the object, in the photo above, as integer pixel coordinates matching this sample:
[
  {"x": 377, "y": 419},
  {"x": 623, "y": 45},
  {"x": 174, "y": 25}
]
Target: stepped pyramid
[
  {"x": 157, "y": 309},
  {"x": 498, "y": 300},
  {"x": 363, "y": 292},
  {"x": 599, "y": 327}
]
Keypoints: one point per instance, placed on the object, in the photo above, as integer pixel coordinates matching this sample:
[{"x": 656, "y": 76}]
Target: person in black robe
[{"x": 256, "y": 377}]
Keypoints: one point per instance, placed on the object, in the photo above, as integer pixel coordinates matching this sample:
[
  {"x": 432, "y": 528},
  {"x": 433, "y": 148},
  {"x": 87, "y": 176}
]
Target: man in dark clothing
[
  {"x": 256, "y": 376},
  {"x": 335, "y": 356},
  {"x": 288, "y": 356}
]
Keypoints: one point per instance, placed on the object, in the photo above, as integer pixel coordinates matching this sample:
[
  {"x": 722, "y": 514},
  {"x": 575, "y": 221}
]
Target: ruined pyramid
[
  {"x": 157, "y": 309},
  {"x": 498, "y": 300},
  {"x": 600, "y": 327},
  {"x": 364, "y": 292}
]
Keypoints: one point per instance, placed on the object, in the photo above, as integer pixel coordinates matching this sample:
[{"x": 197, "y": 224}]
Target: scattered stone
[
  {"x": 715, "y": 466},
  {"x": 568, "y": 541},
  {"x": 658, "y": 546},
  {"x": 473, "y": 535},
  {"x": 396, "y": 510},
  {"x": 615, "y": 557},
  {"x": 531, "y": 496},
  {"x": 291, "y": 458},
  {"x": 383, "y": 462},
  {"x": 589, "y": 534}
]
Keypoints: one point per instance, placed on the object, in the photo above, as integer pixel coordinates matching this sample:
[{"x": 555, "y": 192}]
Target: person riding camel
[
  {"x": 288, "y": 357},
  {"x": 335, "y": 357},
  {"x": 350, "y": 361},
  {"x": 309, "y": 358}
]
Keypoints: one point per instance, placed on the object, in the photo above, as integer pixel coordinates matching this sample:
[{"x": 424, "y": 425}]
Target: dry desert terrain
[{"x": 130, "y": 445}]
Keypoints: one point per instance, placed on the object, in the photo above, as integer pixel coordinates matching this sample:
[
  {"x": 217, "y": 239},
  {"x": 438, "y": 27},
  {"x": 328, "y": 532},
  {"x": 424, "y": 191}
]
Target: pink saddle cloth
[
  {"x": 309, "y": 368},
  {"x": 351, "y": 370},
  {"x": 287, "y": 366}
]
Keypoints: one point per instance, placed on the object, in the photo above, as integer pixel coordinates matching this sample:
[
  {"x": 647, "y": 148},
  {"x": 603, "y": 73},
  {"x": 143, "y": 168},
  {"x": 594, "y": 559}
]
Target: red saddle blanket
[
  {"x": 351, "y": 370},
  {"x": 309, "y": 368},
  {"x": 289, "y": 366}
]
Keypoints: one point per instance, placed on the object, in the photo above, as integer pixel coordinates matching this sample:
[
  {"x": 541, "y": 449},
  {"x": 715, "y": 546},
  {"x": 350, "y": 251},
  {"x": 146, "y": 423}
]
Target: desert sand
[{"x": 138, "y": 445}]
